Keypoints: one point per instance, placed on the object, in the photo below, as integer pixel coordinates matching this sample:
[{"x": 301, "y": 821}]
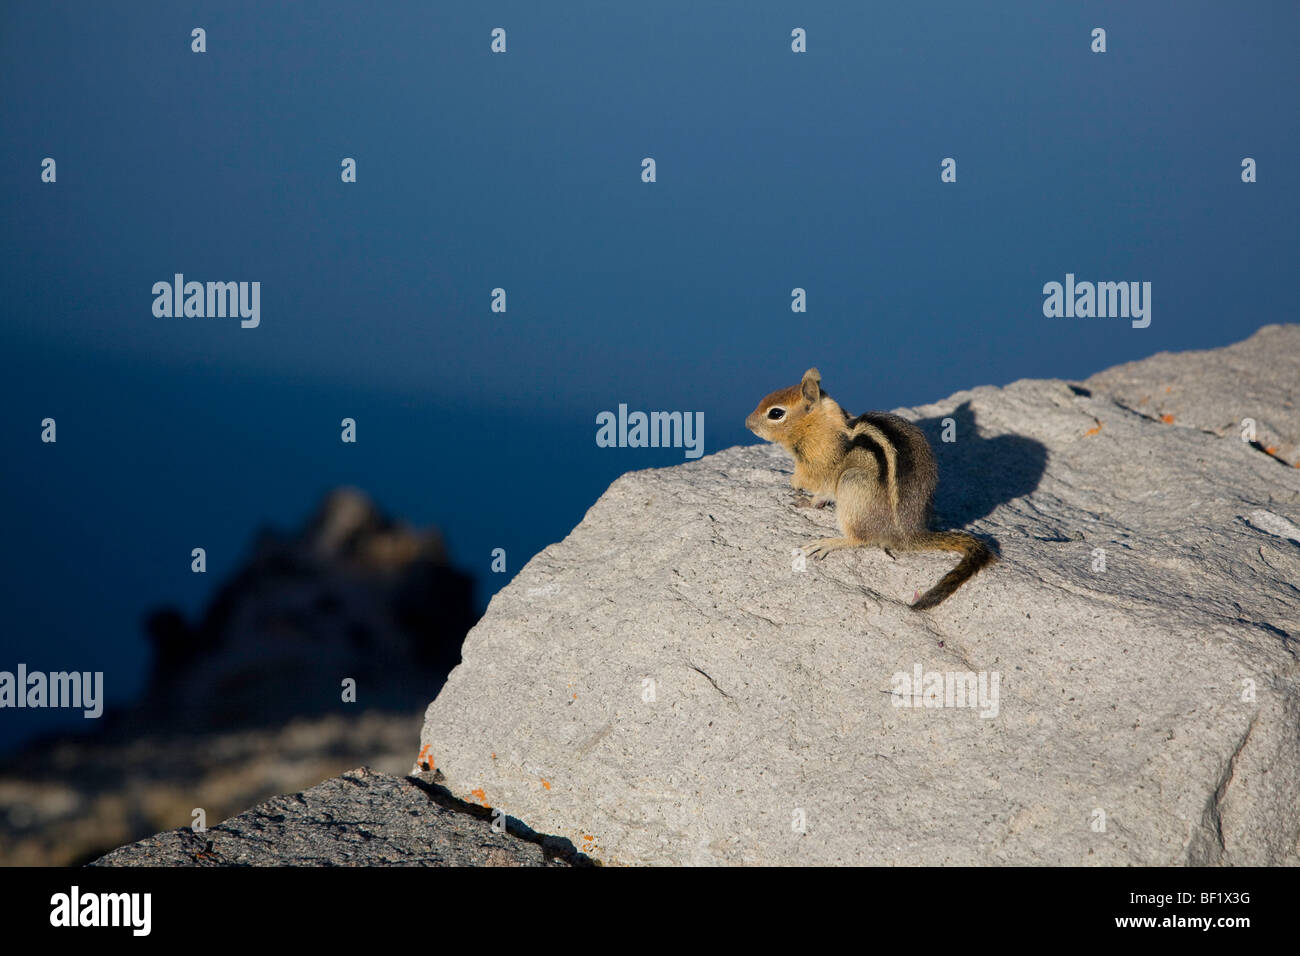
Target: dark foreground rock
[
  {"x": 362, "y": 818},
  {"x": 76, "y": 799}
]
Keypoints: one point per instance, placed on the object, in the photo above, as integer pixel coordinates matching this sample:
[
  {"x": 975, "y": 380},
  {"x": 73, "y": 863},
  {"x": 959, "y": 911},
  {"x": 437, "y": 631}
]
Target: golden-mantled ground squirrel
[{"x": 877, "y": 468}]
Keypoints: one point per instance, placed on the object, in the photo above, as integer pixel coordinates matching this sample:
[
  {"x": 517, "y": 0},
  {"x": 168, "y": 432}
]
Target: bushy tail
[{"x": 975, "y": 555}]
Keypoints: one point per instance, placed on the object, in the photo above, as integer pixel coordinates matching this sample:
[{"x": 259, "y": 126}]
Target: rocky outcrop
[
  {"x": 247, "y": 702},
  {"x": 352, "y": 595},
  {"x": 670, "y": 685},
  {"x": 361, "y": 818}
]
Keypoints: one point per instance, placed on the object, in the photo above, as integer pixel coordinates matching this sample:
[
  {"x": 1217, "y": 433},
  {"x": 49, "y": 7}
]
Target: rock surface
[
  {"x": 1217, "y": 390},
  {"x": 667, "y": 686},
  {"x": 361, "y": 818}
]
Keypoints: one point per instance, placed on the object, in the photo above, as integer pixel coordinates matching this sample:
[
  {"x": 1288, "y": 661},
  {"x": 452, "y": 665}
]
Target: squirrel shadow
[{"x": 977, "y": 474}]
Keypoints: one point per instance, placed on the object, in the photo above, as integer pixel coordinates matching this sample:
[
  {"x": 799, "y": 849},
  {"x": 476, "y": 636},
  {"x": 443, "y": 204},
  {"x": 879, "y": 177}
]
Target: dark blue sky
[{"x": 522, "y": 171}]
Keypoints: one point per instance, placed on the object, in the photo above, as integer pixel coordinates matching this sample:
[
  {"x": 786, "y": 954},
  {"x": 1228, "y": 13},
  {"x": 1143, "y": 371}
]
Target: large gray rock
[{"x": 1142, "y": 625}]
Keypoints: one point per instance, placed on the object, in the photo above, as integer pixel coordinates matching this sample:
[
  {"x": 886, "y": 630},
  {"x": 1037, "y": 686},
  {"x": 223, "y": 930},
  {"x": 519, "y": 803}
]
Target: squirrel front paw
[{"x": 817, "y": 501}]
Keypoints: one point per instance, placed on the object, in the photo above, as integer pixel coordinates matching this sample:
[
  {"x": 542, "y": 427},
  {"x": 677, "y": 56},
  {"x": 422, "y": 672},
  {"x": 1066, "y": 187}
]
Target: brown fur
[{"x": 878, "y": 469}]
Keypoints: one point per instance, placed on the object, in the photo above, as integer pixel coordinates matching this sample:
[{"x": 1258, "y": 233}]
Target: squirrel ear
[{"x": 812, "y": 385}]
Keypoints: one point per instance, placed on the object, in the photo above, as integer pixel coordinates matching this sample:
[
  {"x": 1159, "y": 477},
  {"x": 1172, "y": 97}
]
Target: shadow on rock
[{"x": 977, "y": 474}]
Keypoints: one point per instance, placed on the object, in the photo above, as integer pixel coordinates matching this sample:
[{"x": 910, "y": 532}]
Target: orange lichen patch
[
  {"x": 1092, "y": 431},
  {"x": 480, "y": 796},
  {"x": 1167, "y": 419},
  {"x": 1271, "y": 449},
  {"x": 575, "y": 696},
  {"x": 1168, "y": 389},
  {"x": 544, "y": 783},
  {"x": 494, "y": 756},
  {"x": 587, "y": 838},
  {"x": 425, "y": 759}
]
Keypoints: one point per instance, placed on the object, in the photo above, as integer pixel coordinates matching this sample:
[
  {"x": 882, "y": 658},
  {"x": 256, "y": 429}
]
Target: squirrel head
[{"x": 779, "y": 416}]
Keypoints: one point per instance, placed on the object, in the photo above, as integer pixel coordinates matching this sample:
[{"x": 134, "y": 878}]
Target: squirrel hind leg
[{"x": 863, "y": 510}]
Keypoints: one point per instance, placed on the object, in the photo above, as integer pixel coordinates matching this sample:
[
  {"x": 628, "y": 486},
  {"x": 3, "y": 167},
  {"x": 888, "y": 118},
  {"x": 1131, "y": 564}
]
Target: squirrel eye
[{"x": 776, "y": 414}]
